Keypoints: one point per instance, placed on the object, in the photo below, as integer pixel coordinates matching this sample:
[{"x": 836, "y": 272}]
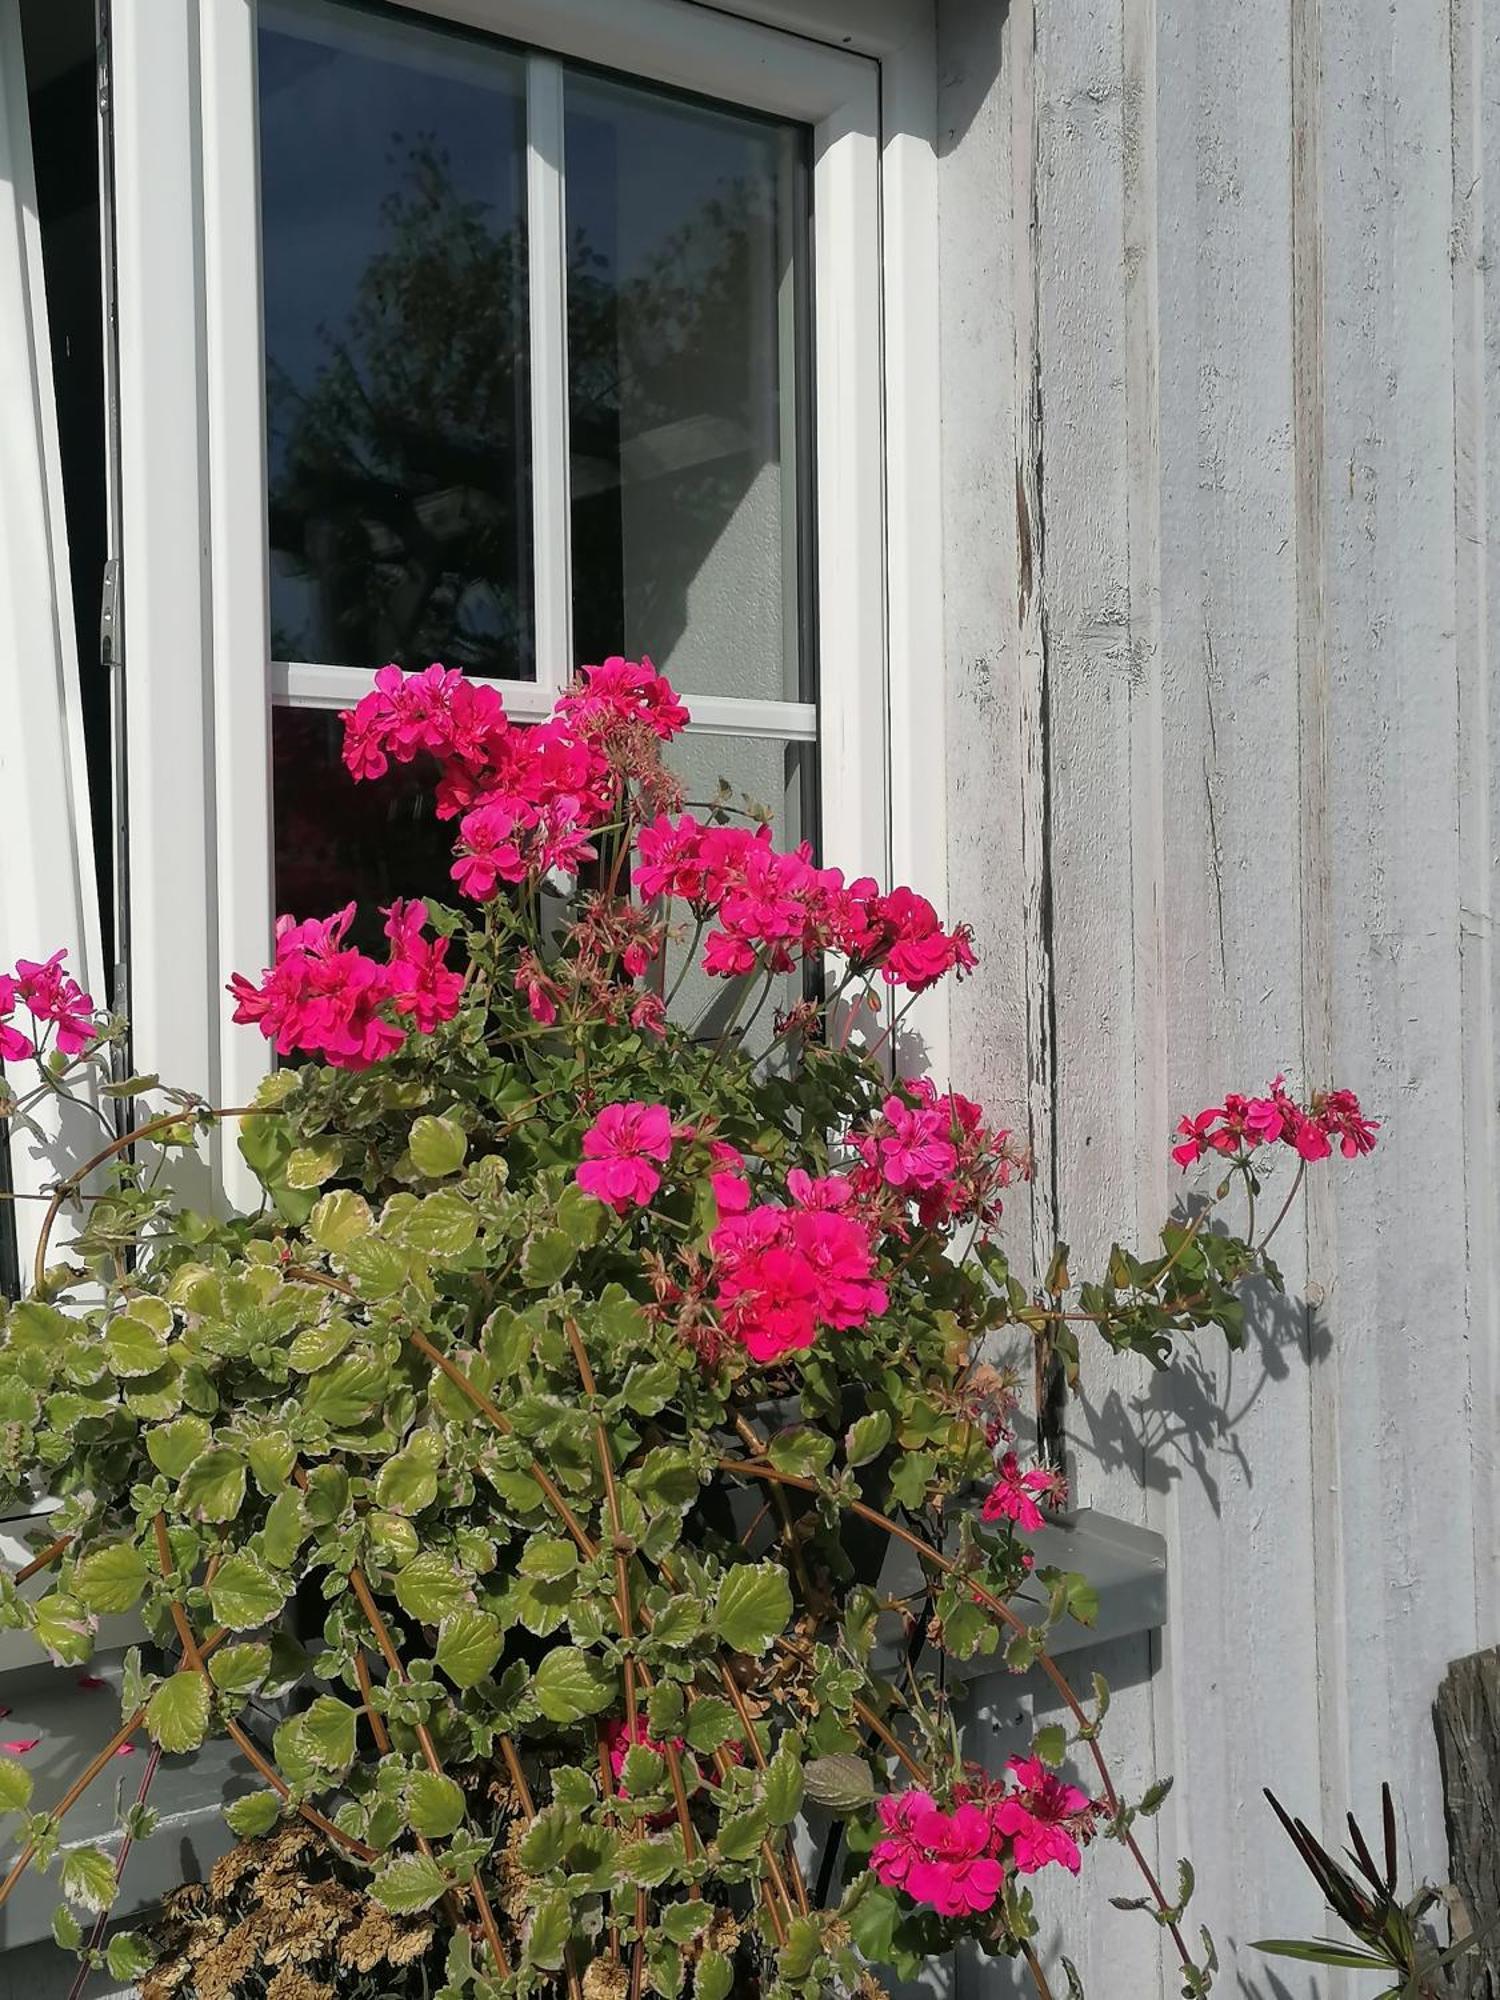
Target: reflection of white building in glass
[{"x": 1047, "y": 442}]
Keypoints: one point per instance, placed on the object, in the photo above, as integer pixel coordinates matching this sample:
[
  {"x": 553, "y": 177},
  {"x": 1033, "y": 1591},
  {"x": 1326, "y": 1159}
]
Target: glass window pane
[
  {"x": 340, "y": 842},
  {"x": 686, "y": 288},
  {"x": 393, "y": 181},
  {"x": 757, "y": 777}
]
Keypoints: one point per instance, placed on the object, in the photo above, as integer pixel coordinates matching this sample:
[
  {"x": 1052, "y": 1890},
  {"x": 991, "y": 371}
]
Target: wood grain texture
[
  {"x": 1467, "y": 1718},
  {"x": 1261, "y": 698}
]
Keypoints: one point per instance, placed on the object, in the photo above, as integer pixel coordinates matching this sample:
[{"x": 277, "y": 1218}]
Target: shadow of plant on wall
[{"x": 516, "y": 1486}]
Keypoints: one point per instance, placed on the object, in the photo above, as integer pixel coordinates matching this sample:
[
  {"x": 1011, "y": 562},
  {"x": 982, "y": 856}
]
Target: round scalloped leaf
[
  {"x": 413, "y": 1883},
  {"x": 177, "y": 1714},
  {"x": 112, "y": 1578},
  {"x": 753, "y": 1606},
  {"x": 570, "y": 1684},
  {"x": 469, "y": 1644},
  {"x": 245, "y": 1594}
]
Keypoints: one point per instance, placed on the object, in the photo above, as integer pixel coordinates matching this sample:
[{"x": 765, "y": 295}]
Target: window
[{"x": 521, "y": 331}]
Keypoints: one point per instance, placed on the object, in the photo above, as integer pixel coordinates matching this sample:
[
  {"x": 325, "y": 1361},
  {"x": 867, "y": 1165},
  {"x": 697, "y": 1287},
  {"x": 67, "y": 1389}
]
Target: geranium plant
[{"x": 512, "y": 1486}]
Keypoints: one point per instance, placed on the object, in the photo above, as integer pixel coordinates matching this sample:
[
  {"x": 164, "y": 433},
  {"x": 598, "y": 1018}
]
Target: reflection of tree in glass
[
  {"x": 399, "y": 484},
  {"x": 400, "y": 473}
]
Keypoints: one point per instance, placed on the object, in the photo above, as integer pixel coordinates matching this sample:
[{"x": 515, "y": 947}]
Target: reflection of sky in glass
[{"x": 336, "y": 124}]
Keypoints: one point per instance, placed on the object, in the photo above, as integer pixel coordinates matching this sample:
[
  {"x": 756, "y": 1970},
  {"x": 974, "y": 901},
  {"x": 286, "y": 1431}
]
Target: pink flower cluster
[
  {"x": 526, "y": 797},
  {"x": 54, "y": 1000},
  {"x": 770, "y": 909},
  {"x": 956, "y": 1861},
  {"x": 324, "y": 997},
  {"x": 1240, "y": 1124},
  {"x": 1015, "y": 1494},
  {"x": 782, "y": 1275},
  {"x": 934, "y": 1151},
  {"x": 623, "y": 1151}
]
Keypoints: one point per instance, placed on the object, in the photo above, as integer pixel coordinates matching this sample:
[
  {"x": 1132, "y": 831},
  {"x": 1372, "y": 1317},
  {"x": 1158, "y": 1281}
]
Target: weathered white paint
[
  {"x": 1254, "y": 310},
  {"x": 48, "y": 896}
]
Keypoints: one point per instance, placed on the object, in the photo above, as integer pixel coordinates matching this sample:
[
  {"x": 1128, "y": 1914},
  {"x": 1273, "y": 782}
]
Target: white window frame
[{"x": 199, "y": 680}]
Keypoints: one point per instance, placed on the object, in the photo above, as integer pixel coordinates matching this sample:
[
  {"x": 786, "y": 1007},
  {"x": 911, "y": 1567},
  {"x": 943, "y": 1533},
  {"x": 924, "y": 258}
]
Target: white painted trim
[
  {"x": 240, "y": 620},
  {"x": 303, "y": 684},
  {"x": 48, "y": 894},
  {"x": 547, "y": 268},
  {"x": 669, "y": 41},
  {"x": 916, "y": 692},
  {"x": 164, "y": 532},
  {"x": 881, "y": 28}
]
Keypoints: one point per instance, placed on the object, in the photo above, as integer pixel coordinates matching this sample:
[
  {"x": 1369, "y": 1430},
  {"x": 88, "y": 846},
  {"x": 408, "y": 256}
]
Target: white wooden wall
[{"x": 1219, "y": 381}]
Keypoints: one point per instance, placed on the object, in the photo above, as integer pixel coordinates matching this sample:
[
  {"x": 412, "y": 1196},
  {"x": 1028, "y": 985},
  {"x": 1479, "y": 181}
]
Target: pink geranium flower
[
  {"x": 14, "y": 1046},
  {"x": 938, "y": 1858},
  {"x": 1044, "y": 1818},
  {"x": 55, "y": 996},
  {"x": 1015, "y": 1493},
  {"x": 621, "y": 1151}
]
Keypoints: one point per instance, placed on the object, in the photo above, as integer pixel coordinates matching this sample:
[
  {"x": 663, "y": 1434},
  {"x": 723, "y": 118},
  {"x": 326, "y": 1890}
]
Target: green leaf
[
  {"x": 340, "y": 1219},
  {"x": 841, "y": 1781},
  {"x": 740, "y": 1836},
  {"x": 1083, "y": 1600},
  {"x": 1051, "y": 1744},
  {"x": 434, "y": 1804},
  {"x": 133, "y": 1347},
  {"x": 710, "y": 1722},
  {"x": 63, "y": 1625},
  {"x": 867, "y": 1438},
  {"x": 437, "y": 1147},
  {"x": 272, "y": 1456},
  {"x": 570, "y": 1684},
  {"x": 240, "y": 1669},
  {"x": 753, "y": 1607},
  {"x": 408, "y": 1482},
  {"x": 245, "y": 1594},
  {"x": 651, "y": 1387},
  {"x": 648, "y": 1863},
  {"x": 443, "y": 1224},
  {"x": 715, "y": 1977},
  {"x": 781, "y": 1786},
  {"x": 800, "y": 1953},
  {"x": 469, "y": 1644},
  {"x": 310, "y": 1166},
  {"x": 173, "y": 1447},
  {"x": 683, "y": 1921},
  {"x": 412, "y": 1883},
  {"x": 253, "y": 1815},
  {"x": 128, "y": 1956},
  {"x": 67, "y": 1932},
  {"x": 430, "y": 1588},
  {"x": 15, "y": 1786},
  {"x": 378, "y": 1268},
  {"x": 112, "y": 1578},
  {"x": 177, "y": 1714},
  {"x": 548, "y": 1259},
  {"x": 87, "y": 1876},
  {"x": 328, "y": 1732},
  {"x": 213, "y": 1487},
  {"x": 346, "y": 1393},
  {"x": 285, "y": 1529},
  {"x": 549, "y": 1558},
  {"x": 1155, "y": 1797},
  {"x": 1318, "y": 1953},
  {"x": 666, "y": 1480},
  {"x": 551, "y": 1928}
]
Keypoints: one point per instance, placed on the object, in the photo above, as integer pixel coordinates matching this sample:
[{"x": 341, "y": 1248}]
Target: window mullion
[{"x": 546, "y": 234}]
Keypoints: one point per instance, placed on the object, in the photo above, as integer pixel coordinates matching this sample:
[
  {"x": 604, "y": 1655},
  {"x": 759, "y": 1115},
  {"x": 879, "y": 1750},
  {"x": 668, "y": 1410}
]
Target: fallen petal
[
  {"x": 19, "y": 1745},
  {"x": 92, "y": 1682}
]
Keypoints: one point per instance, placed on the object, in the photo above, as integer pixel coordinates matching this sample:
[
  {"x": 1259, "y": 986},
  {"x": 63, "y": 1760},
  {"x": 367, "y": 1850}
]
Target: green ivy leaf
[
  {"x": 754, "y": 1605},
  {"x": 867, "y": 1437},
  {"x": 253, "y": 1815},
  {"x": 15, "y": 1786},
  {"x": 412, "y": 1883},
  {"x": 340, "y": 1219},
  {"x": 434, "y": 1804},
  {"x": 551, "y": 1928},
  {"x": 241, "y": 1668},
  {"x": 177, "y": 1714},
  {"x": 112, "y": 1578},
  {"x": 437, "y": 1147},
  {"x": 87, "y": 1876},
  {"x": 213, "y": 1487},
  {"x": 173, "y": 1447},
  {"x": 430, "y": 1588},
  {"x": 1051, "y": 1744},
  {"x": 782, "y": 1785},
  {"x": 469, "y": 1644},
  {"x": 328, "y": 1732},
  {"x": 570, "y": 1684},
  {"x": 128, "y": 1956},
  {"x": 715, "y": 1977},
  {"x": 710, "y": 1722},
  {"x": 245, "y": 1594}
]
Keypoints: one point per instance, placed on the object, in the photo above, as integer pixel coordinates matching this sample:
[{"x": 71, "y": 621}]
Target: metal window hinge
[{"x": 109, "y": 615}]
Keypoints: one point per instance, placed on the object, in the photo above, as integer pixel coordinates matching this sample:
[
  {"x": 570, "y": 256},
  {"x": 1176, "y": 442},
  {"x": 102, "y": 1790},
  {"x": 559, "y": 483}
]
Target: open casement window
[{"x": 506, "y": 333}]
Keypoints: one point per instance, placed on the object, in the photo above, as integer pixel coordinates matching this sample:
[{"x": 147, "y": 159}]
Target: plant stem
[{"x": 1033, "y": 1964}]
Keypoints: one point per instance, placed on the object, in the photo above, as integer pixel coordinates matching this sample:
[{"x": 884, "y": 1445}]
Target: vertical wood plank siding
[{"x": 1233, "y": 661}]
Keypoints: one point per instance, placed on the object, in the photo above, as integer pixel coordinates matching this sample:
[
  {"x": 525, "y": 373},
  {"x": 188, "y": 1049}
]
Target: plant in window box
[{"x": 573, "y": 1371}]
